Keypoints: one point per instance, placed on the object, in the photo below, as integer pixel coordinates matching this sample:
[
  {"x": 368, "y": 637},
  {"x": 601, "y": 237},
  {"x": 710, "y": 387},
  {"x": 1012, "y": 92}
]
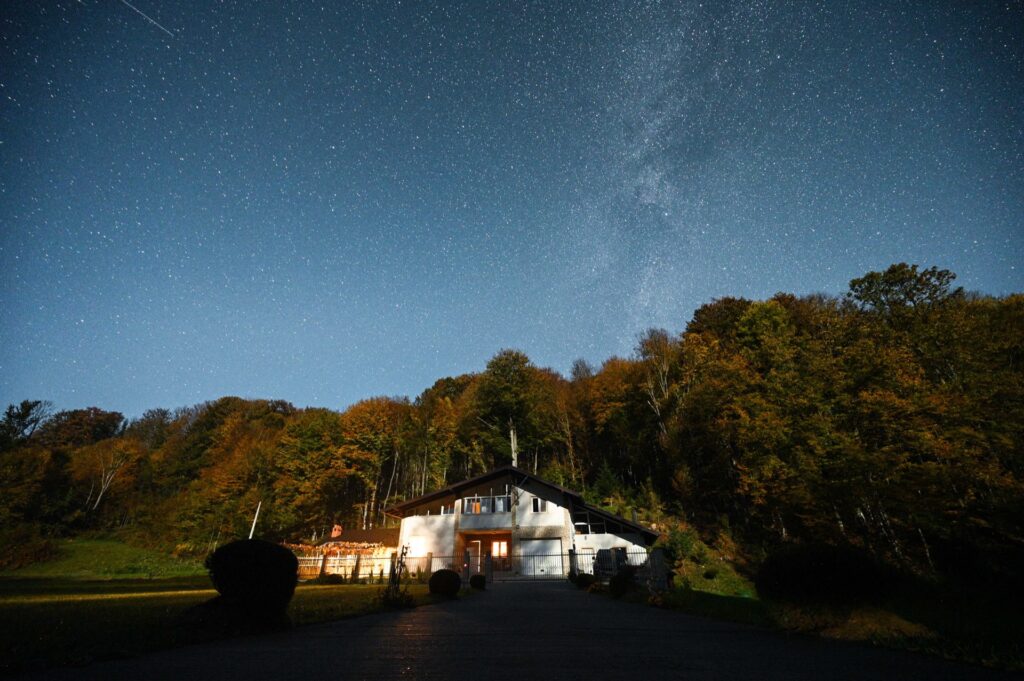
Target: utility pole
[{"x": 253, "y": 530}]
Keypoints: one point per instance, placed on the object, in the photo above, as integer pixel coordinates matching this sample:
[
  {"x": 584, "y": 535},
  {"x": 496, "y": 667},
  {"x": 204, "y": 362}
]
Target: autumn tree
[
  {"x": 21, "y": 421},
  {"x": 102, "y": 464}
]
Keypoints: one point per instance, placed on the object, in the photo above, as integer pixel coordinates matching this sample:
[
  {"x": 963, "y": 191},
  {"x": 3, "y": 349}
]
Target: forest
[{"x": 889, "y": 418}]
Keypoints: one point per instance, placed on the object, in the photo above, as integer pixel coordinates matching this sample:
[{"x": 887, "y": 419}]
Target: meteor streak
[{"x": 147, "y": 17}]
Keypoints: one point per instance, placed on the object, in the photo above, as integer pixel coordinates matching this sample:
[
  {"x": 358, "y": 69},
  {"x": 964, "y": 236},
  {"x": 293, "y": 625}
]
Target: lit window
[{"x": 499, "y": 549}]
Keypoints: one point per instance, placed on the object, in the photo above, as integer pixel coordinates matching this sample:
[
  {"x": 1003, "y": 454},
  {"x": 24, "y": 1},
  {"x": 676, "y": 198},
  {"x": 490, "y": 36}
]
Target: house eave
[{"x": 396, "y": 510}]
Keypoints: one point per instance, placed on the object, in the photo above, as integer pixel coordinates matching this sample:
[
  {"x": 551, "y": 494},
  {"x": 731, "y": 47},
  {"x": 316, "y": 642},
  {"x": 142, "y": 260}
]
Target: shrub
[
  {"x": 445, "y": 583},
  {"x": 254, "y": 569},
  {"x": 329, "y": 579},
  {"x": 23, "y": 545},
  {"x": 584, "y": 580},
  {"x": 396, "y": 598},
  {"x": 622, "y": 581},
  {"x": 821, "y": 573},
  {"x": 680, "y": 544},
  {"x": 256, "y": 579},
  {"x": 478, "y": 582}
]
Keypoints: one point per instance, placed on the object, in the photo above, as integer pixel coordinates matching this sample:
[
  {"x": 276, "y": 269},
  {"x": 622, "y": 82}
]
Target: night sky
[{"x": 327, "y": 201}]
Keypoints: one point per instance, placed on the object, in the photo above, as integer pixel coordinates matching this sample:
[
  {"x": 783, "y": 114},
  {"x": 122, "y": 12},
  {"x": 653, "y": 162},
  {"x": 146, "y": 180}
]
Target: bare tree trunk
[
  {"x": 391, "y": 480},
  {"x": 839, "y": 520},
  {"x": 372, "y": 515},
  {"x": 366, "y": 509},
  {"x": 423, "y": 472},
  {"x": 569, "y": 449},
  {"x": 513, "y": 442},
  {"x": 106, "y": 477},
  {"x": 927, "y": 550}
]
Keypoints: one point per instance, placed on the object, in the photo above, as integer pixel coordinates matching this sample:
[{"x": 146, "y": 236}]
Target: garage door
[{"x": 542, "y": 557}]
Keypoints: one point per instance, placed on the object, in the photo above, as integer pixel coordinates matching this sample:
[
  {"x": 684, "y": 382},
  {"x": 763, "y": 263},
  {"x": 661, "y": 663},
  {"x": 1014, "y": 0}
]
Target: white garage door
[{"x": 542, "y": 557}]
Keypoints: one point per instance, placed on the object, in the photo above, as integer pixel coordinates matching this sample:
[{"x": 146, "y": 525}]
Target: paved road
[{"x": 527, "y": 632}]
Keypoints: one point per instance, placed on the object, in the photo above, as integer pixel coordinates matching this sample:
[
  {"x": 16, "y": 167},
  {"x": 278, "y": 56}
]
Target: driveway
[{"x": 529, "y": 631}]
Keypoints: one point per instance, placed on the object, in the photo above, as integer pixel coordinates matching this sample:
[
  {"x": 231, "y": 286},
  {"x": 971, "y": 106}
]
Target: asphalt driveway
[{"x": 529, "y": 631}]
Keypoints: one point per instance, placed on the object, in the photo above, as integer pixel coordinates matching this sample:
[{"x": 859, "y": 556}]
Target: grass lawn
[
  {"x": 102, "y": 559},
  {"x": 85, "y": 606},
  {"x": 974, "y": 627}
]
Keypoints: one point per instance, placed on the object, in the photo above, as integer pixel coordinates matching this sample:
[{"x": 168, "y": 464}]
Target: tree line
[{"x": 889, "y": 418}]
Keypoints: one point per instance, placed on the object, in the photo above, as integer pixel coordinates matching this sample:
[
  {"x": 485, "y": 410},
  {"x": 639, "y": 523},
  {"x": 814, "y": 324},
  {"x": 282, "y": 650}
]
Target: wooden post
[
  {"x": 393, "y": 577},
  {"x": 355, "y": 569},
  {"x": 323, "y": 565},
  {"x": 430, "y": 564}
]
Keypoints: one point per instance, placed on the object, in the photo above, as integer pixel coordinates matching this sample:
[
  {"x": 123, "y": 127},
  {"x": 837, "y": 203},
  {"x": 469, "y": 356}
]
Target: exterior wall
[
  {"x": 554, "y": 522},
  {"x": 444, "y": 535},
  {"x": 609, "y": 540},
  {"x": 429, "y": 534}
]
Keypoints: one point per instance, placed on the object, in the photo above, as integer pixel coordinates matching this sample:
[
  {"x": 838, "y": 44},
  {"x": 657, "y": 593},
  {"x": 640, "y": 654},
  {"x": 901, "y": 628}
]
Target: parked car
[{"x": 608, "y": 561}]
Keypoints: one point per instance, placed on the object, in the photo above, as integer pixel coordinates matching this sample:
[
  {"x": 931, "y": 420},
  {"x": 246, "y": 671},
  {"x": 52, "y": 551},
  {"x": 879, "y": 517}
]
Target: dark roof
[
  {"x": 501, "y": 471},
  {"x": 388, "y": 536},
  {"x": 471, "y": 482}
]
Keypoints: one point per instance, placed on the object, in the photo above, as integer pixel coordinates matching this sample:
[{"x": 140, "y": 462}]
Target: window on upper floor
[{"x": 539, "y": 505}]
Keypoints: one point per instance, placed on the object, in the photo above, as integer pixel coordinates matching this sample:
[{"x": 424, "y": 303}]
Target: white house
[{"x": 524, "y": 524}]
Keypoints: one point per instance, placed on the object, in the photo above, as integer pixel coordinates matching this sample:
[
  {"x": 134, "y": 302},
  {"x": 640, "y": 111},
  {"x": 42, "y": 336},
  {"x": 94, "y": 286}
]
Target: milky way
[{"x": 326, "y": 202}]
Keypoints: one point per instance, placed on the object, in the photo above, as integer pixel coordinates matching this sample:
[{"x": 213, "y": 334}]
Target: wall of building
[
  {"x": 440, "y": 534},
  {"x": 429, "y": 534},
  {"x": 609, "y": 540}
]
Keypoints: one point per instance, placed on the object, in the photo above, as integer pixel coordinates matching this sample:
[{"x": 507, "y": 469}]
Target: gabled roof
[
  {"x": 454, "y": 489},
  {"x": 397, "y": 509}
]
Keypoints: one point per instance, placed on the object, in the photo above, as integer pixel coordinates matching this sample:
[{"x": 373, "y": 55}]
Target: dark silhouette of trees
[{"x": 889, "y": 419}]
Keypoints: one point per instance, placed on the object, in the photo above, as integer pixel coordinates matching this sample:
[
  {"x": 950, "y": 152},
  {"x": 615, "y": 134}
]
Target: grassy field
[
  {"x": 87, "y": 606},
  {"x": 969, "y": 625},
  {"x": 103, "y": 559},
  {"x": 970, "y": 620}
]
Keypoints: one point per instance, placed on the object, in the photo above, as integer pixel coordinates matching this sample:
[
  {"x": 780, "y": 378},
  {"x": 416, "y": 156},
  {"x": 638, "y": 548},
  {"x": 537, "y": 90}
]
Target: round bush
[
  {"x": 584, "y": 580},
  {"x": 445, "y": 583},
  {"x": 478, "y": 582},
  {"x": 820, "y": 573},
  {"x": 254, "y": 574},
  {"x": 622, "y": 581},
  {"x": 329, "y": 579}
]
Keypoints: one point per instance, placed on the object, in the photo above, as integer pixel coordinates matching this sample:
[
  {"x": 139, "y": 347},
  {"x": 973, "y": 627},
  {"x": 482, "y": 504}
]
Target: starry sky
[{"x": 327, "y": 201}]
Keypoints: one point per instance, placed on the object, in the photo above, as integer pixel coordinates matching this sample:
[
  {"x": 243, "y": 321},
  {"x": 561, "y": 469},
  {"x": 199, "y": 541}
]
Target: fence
[{"x": 375, "y": 569}]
